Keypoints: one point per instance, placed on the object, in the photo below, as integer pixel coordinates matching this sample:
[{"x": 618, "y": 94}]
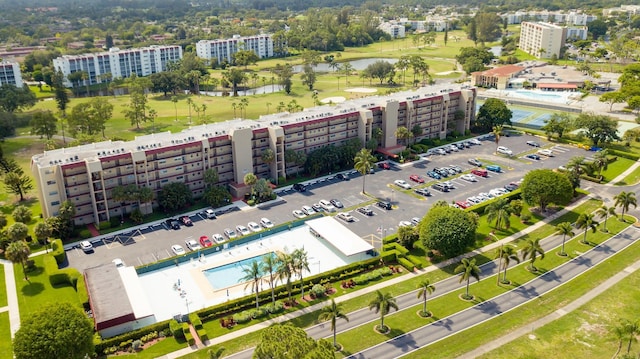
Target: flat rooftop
[
  {"x": 339, "y": 236},
  {"x": 109, "y": 300}
]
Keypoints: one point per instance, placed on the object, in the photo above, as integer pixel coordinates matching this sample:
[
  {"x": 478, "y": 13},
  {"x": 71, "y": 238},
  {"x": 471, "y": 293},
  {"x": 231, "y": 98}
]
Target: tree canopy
[
  {"x": 14, "y": 99},
  {"x": 600, "y": 129},
  {"x": 448, "y": 230},
  {"x": 543, "y": 187},
  {"x": 288, "y": 342},
  {"x": 174, "y": 196},
  {"x": 494, "y": 112}
]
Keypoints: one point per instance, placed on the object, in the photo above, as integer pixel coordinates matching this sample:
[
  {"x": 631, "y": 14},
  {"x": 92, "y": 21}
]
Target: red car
[
  {"x": 186, "y": 221},
  {"x": 384, "y": 166},
  {"x": 480, "y": 172},
  {"x": 463, "y": 204},
  {"x": 416, "y": 178},
  {"x": 205, "y": 241}
]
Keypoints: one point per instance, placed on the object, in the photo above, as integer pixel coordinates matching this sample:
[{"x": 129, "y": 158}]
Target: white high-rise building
[
  {"x": 10, "y": 74},
  {"x": 542, "y": 39},
  {"x": 223, "y": 49},
  {"x": 119, "y": 63}
]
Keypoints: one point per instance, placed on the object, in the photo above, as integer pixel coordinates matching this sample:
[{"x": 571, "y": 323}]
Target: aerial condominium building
[
  {"x": 542, "y": 39},
  {"x": 116, "y": 63},
  {"x": 223, "y": 49},
  {"x": 86, "y": 175},
  {"x": 10, "y": 74}
]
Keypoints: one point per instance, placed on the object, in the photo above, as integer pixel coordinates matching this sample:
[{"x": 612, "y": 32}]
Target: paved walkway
[{"x": 12, "y": 297}]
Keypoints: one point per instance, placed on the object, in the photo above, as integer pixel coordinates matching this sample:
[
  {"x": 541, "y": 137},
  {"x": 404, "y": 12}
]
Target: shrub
[
  {"x": 104, "y": 225},
  {"x": 136, "y": 344},
  {"x": 375, "y": 275},
  {"x": 189, "y": 338},
  {"x": 406, "y": 263},
  {"x": 525, "y": 218},
  {"x": 195, "y": 320},
  {"x": 202, "y": 333},
  {"x": 242, "y": 317},
  {"x": 163, "y": 327},
  {"x": 176, "y": 329},
  {"x": 258, "y": 313},
  {"x": 385, "y": 271},
  {"x": 361, "y": 279},
  {"x": 58, "y": 251},
  {"x": 114, "y": 221},
  {"x": 85, "y": 234},
  {"x": 318, "y": 290},
  {"x": 274, "y": 307}
]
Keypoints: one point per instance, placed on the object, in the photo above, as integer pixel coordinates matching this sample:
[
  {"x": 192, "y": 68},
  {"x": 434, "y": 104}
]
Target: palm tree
[
  {"x": 497, "y": 132},
  {"x": 586, "y": 221},
  {"x": 332, "y": 312},
  {"x": 499, "y": 211},
  {"x": 300, "y": 264},
  {"x": 606, "y": 211},
  {"x": 402, "y": 133},
  {"x": 174, "y": 99},
  {"x": 618, "y": 333},
  {"x": 600, "y": 161},
  {"x": 531, "y": 250},
  {"x": 215, "y": 353},
  {"x": 577, "y": 165},
  {"x": 383, "y": 303},
  {"x": 253, "y": 275},
  {"x": 424, "y": 289},
  {"x": 624, "y": 200},
  {"x": 18, "y": 252},
  {"x": 469, "y": 269},
  {"x": 631, "y": 330},
  {"x": 284, "y": 271},
  {"x": 505, "y": 254},
  {"x": 363, "y": 163},
  {"x": 347, "y": 68},
  {"x": 250, "y": 180},
  {"x": 565, "y": 229},
  {"x": 270, "y": 266},
  {"x": 189, "y": 103}
]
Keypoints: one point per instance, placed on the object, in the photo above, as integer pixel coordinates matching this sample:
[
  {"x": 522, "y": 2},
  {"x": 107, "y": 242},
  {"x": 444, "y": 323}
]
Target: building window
[
  {"x": 53, "y": 193},
  {"x": 51, "y": 183},
  {"x": 55, "y": 203}
]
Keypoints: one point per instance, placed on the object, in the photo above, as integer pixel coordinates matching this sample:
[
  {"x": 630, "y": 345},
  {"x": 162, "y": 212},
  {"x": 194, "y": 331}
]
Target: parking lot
[{"x": 152, "y": 243}]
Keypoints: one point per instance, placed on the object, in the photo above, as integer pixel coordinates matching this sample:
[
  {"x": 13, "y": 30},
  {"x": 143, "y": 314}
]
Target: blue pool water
[
  {"x": 538, "y": 94},
  {"x": 230, "y": 274}
]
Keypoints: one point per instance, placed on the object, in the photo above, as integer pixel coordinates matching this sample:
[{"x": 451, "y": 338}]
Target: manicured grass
[
  {"x": 159, "y": 349},
  {"x": 6, "y": 347},
  {"x": 616, "y": 168},
  {"x": 3, "y": 288},
  {"x": 631, "y": 179}
]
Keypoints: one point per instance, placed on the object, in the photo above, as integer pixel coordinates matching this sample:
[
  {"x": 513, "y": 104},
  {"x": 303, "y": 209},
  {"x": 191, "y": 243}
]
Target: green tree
[
  {"x": 612, "y": 98},
  {"x": 262, "y": 190},
  {"x": 21, "y": 214},
  {"x": 566, "y": 229},
  {"x": 493, "y": 112},
  {"x": 543, "y": 187},
  {"x": 44, "y": 124},
  {"x": 487, "y": 26},
  {"x": 245, "y": 58},
  {"x": 383, "y": 303},
  {"x": 253, "y": 277},
  {"x": 18, "y": 183},
  {"x": 403, "y": 134},
  {"x": 505, "y": 255},
  {"x": 586, "y": 221},
  {"x": 62, "y": 331},
  {"x": 217, "y": 196},
  {"x": 624, "y": 200},
  {"x": 216, "y": 352},
  {"x": 363, "y": 163},
  {"x": 300, "y": 263},
  {"x": 17, "y": 232},
  {"x": 42, "y": 231},
  {"x": 559, "y": 124},
  {"x": 284, "y": 341},
  {"x": 269, "y": 266},
  {"x": 284, "y": 73},
  {"x": 285, "y": 271},
  {"x": 407, "y": 236},
  {"x": 403, "y": 64},
  {"x": 604, "y": 212},
  {"x": 499, "y": 211},
  {"x": 13, "y": 99},
  {"x": 600, "y": 129},
  {"x": 234, "y": 77},
  {"x": 18, "y": 252},
  {"x": 468, "y": 269},
  {"x": 531, "y": 250},
  {"x": 332, "y": 312},
  {"x": 250, "y": 180},
  {"x": 308, "y": 76},
  {"x": 136, "y": 110},
  {"x": 425, "y": 288},
  {"x": 600, "y": 161},
  {"x": 174, "y": 196},
  {"x": 447, "y": 230},
  {"x": 380, "y": 70}
]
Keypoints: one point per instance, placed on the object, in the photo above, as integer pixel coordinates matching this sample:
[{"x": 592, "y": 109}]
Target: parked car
[
  {"x": 434, "y": 174},
  {"x": 402, "y": 184},
  {"x": 463, "y": 204},
  {"x": 316, "y": 207},
  {"x": 299, "y": 187},
  {"x": 366, "y": 211},
  {"x": 404, "y": 224},
  {"x": 254, "y": 227},
  {"x": 308, "y": 210},
  {"x": 327, "y": 205},
  {"x": 415, "y": 221},
  {"x": 474, "y": 200},
  {"x": 119, "y": 263},
  {"x": 242, "y": 230},
  {"x": 173, "y": 224},
  {"x": 416, "y": 178},
  {"x": 460, "y": 145},
  {"x": 458, "y": 169},
  {"x": 449, "y": 185},
  {"x": 342, "y": 176},
  {"x": 86, "y": 246},
  {"x": 486, "y": 195},
  {"x": 511, "y": 187},
  {"x": 266, "y": 222},
  {"x": 441, "y": 151},
  {"x": 443, "y": 172},
  {"x": 336, "y": 203},
  {"x": 299, "y": 214},
  {"x": 469, "y": 177},
  {"x": 192, "y": 244},
  {"x": 205, "y": 241},
  {"x": 475, "y": 162},
  {"x": 186, "y": 221},
  {"x": 504, "y": 150},
  {"x": 533, "y": 143},
  {"x": 177, "y": 249},
  {"x": 475, "y": 141},
  {"x": 217, "y": 238},
  {"x": 480, "y": 172},
  {"x": 384, "y": 166},
  {"x": 494, "y": 168},
  {"x": 346, "y": 216},
  {"x": 230, "y": 233},
  {"x": 453, "y": 148},
  {"x": 211, "y": 214},
  {"x": 422, "y": 191},
  {"x": 440, "y": 187},
  {"x": 546, "y": 152},
  {"x": 533, "y": 156},
  {"x": 384, "y": 205}
]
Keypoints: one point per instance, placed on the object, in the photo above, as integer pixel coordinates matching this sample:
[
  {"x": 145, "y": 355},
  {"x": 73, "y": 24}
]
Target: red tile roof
[{"x": 501, "y": 71}]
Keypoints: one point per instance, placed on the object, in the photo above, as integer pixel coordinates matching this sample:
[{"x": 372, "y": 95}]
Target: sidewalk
[{"x": 12, "y": 297}]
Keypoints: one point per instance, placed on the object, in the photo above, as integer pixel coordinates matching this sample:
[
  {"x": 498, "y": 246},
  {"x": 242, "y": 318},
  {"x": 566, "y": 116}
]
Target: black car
[
  {"x": 172, "y": 223},
  {"x": 442, "y": 172},
  {"x": 366, "y": 211},
  {"x": 384, "y": 205},
  {"x": 342, "y": 176},
  {"x": 336, "y": 203},
  {"x": 299, "y": 187},
  {"x": 533, "y": 143},
  {"x": 511, "y": 187},
  {"x": 422, "y": 191}
]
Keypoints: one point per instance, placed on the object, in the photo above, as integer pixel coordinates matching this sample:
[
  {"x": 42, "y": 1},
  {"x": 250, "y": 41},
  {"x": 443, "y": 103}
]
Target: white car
[
  {"x": 453, "y": 148},
  {"x": 504, "y": 151},
  {"x": 469, "y": 177},
  {"x": 118, "y": 262},
  {"x": 192, "y": 244},
  {"x": 211, "y": 214},
  {"x": 327, "y": 205},
  {"x": 475, "y": 141},
  {"x": 346, "y": 216},
  {"x": 254, "y": 227},
  {"x": 402, "y": 184},
  {"x": 86, "y": 246},
  {"x": 448, "y": 184},
  {"x": 299, "y": 214},
  {"x": 230, "y": 233},
  {"x": 242, "y": 230},
  {"x": 266, "y": 223},
  {"x": 415, "y": 221},
  {"x": 546, "y": 152},
  {"x": 308, "y": 210},
  {"x": 441, "y": 151},
  {"x": 486, "y": 195},
  {"x": 474, "y": 200},
  {"x": 495, "y": 193},
  {"x": 177, "y": 249},
  {"x": 217, "y": 237},
  {"x": 499, "y": 190},
  {"x": 405, "y": 224}
]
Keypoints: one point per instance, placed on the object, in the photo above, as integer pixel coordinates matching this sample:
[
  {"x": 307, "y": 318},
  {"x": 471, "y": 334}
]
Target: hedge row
[
  {"x": 58, "y": 251},
  {"x": 176, "y": 329},
  {"x": 627, "y": 155},
  {"x": 406, "y": 263},
  {"x": 187, "y": 334},
  {"x": 103, "y": 344}
]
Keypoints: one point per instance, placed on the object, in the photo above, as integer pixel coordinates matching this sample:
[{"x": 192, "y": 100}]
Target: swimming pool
[
  {"x": 539, "y": 94},
  {"x": 230, "y": 274}
]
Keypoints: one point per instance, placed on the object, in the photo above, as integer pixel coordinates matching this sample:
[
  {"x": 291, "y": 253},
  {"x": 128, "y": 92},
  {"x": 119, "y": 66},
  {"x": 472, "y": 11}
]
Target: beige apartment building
[
  {"x": 542, "y": 39},
  {"x": 86, "y": 175}
]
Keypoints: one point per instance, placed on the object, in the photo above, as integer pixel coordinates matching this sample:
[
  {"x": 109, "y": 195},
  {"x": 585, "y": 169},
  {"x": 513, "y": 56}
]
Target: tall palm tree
[
  {"x": 383, "y": 303},
  {"x": 565, "y": 229},
  {"x": 586, "y": 221},
  {"x": 18, "y": 252},
  {"x": 499, "y": 211},
  {"x": 284, "y": 271},
  {"x": 270, "y": 266},
  {"x": 531, "y": 250},
  {"x": 619, "y": 335},
  {"x": 363, "y": 163},
  {"x": 300, "y": 264},
  {"x": 577, "y": 165},
  {"x": 469, "y": 269},
  {"x": 189, "y": 103},
  {"x": 505, "y": 255},
  {"x": 424, "y": 289},
  {"x": 624, "y": 200},
  {"x": 606, "y": 211},
  {"x": 332, "y": 312},
  {"x": 600, "y": 161},
  {"x": 403, "y": 134},
  {"x": 347, "y": 68},
  {"x": 253, "y": 276},
  {"x": 497, "y": 132},
  {"x": 215, "y": 353}
]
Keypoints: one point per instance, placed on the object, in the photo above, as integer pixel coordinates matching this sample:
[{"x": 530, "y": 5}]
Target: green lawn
[
  {"x": 631, "y": 179},
  {"x": 3, "y": 288},
  {"x": 6, "y": 349},
  {"x": 616, "y": 168}
]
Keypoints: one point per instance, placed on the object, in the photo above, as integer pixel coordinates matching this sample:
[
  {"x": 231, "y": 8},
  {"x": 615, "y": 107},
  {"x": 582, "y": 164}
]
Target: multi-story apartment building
[
  {"x": 10, "y": 74},
  {"x": 223, "y": 49},
  {"x": 86, "y": 175},
  {"x": 119, "y": 63},
  {"x": 629, "y": 10},
  {"x": 395, "y": 30},
  {"x": 542, "y": 39},
  {"x": 575, "y": 18}
]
